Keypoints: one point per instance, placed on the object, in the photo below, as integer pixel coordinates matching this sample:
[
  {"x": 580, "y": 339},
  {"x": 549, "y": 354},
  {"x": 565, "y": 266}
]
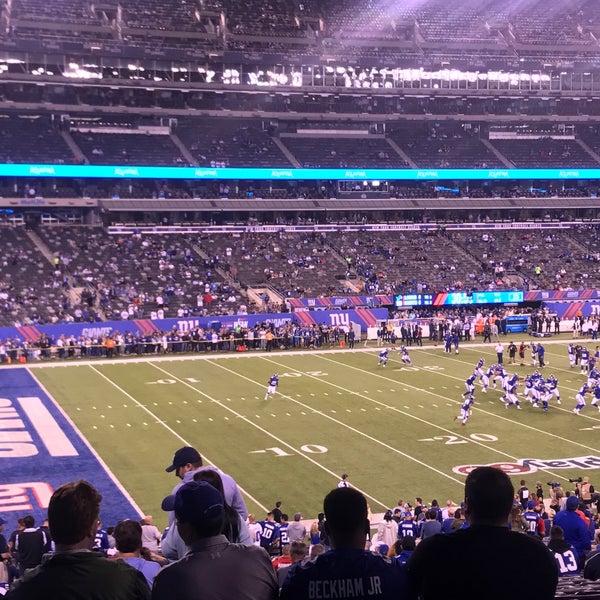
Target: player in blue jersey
[
  {"x": 528, "y": 389},
  {"x": 596, "y": 400},
  {"x": 383, "y": 357},
  {"x": 470, "y": 385},
  {"x": 571, "y": 353},
  {"x": 479, "y": 368},
  {"x": 405, "y": 356},
  {"x": 580, "y": 397},
  {"x": 465, "y": 410},
  {"x": 552, "y": 387},
  {"x": 593, "y": 377},
  {"x": 539, "y": 392},
  {"x": 272, "y": 387},
  {"x": 511, "y": 392}
]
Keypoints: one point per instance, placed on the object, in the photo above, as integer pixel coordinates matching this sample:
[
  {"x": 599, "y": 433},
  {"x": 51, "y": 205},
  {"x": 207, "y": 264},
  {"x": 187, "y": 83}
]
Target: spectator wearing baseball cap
[
  {"x": 213, "y": 567},
  {"x": 186, "y": 463}
]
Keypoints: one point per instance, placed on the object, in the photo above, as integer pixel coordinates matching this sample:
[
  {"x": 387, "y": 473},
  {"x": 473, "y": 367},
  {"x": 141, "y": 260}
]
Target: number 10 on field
[{"x": 308, "y": 448}]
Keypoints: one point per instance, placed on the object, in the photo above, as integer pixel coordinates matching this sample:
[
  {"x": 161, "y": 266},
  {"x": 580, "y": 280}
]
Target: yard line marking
[
  {"x": 169, "y": 429},
  {"x": 262, "y": 429},
  {"x": 346, "y": 426}
]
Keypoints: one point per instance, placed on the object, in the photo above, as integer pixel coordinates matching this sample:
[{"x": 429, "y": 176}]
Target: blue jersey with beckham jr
[{"x": 346, "y": 573}]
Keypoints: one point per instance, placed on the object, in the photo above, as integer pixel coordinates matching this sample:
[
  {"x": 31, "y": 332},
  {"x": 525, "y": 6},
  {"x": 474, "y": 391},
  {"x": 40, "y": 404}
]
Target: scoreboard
[{"x": 460, "y": 298}]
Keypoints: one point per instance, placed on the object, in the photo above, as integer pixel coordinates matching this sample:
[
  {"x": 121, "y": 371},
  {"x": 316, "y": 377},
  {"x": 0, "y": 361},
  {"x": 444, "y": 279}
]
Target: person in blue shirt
[
  {"x": 541, "y": 351},
  {"x": 383, "y": 357},
  {"x": 272, "y": 387},
  {"x": 347, "y": 570}
]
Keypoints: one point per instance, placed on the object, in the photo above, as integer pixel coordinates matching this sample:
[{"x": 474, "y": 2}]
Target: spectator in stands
[
  {"x": 214, "y": 567},
  {"x": 128, "y": 538},
  {"x": 298, "y": 552},
  {"x": 347, "y": 570},
  {"x": 564, "y": 553},
  {"x": 234, "y": 527},
  {"x": 591, "y": 570},
  {"x": 296, "y": 529},
  {"x": 74, "y": 572},
  {"x": 150, "y": 534},
  {"x": 488, "y": 547},
  {"x": 30, "y": 545}
]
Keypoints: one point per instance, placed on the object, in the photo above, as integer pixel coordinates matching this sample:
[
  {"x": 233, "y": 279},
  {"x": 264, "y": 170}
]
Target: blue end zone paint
[{"x": 40, "y": 449}]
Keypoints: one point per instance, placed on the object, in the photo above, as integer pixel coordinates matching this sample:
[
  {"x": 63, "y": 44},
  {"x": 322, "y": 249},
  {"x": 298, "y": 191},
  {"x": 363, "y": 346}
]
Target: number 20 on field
[{"x": 454, "y": 439}]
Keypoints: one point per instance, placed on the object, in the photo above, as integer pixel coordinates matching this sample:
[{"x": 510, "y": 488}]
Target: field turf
[{"x": 391, "y": 429}]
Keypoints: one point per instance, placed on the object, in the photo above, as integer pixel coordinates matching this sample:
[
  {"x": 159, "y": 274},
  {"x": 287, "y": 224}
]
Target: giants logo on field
[{"x": 531, "y": 465}]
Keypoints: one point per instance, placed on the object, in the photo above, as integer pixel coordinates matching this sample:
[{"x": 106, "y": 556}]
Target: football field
[{"x": 392, "y": 430}]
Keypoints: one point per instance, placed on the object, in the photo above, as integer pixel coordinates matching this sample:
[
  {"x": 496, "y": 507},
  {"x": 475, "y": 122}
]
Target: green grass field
[{"x": 391, "y": 430}]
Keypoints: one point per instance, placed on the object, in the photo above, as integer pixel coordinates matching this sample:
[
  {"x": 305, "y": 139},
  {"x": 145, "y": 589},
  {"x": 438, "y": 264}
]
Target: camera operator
[{"x": 585, "y": 490}]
